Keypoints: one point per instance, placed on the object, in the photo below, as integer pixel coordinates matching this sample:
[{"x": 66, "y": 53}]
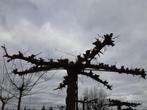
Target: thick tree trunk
[
  {"x": 3, "y": 106},
  {"x": 19, "y": 100},
  {"x": 71, "y": 90}
]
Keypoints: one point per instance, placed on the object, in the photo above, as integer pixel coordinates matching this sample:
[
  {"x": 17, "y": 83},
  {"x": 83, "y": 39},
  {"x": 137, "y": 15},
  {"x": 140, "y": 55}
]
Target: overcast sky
[{"x": 65, "y": 28}]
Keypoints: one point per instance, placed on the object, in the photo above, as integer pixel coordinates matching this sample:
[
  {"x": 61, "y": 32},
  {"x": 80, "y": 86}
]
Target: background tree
[
  {"x": 95, "y": 99},
  {"x": 5, "y": 97},
  {"x": 82, "y": 66},
  {"x": 61, "y": 107},
  {"x": 22, "y": 85},
  {"x": 119, "y": 104},
  {"x": 6, "y": 93}
]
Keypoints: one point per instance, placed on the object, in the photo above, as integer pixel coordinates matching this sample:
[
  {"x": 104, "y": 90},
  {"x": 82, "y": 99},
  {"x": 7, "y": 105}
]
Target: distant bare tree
[
  {"x": 5, "y": 95},
  {"x": 119, "y": 104},
  {"x": 61, "y": 107},
  {"x": 95, "y": 99},
  {"x": 5, "y": 89},
  {"x": 22, "y": 85}
]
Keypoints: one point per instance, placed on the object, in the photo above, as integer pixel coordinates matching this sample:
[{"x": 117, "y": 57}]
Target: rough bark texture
[{"x": 71, "y": 90}]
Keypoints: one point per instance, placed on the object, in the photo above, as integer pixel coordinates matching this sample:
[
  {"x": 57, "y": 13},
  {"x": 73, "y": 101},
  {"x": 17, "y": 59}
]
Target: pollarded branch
[
  {"x": 99, "y": 45},
  {"x": 33, "y": 60},
  {"x": 113, "y": 68},
  {"x": 96, "y": 77},
  {"x": 90, "y": 74},
  {"x": 36, "y": 69}
]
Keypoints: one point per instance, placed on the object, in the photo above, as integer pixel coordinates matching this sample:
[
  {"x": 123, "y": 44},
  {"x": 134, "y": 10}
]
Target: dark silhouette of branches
[
  {"x": 113, "y": 68},
  {"x": 94, "y": 99},
  {"x": 22, "y": 85},
  {"x": 115, "y": 102},
  {"x": 74, "y": 68},
  {"x": 6, "y": 93},
  {"x": 96, "y": 77}
]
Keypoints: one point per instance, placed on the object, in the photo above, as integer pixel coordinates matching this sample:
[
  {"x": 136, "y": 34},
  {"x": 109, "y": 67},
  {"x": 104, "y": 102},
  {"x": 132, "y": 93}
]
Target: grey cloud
[
  {"x": 58, "y": 25},
  {"x": 17, "y": 9}
]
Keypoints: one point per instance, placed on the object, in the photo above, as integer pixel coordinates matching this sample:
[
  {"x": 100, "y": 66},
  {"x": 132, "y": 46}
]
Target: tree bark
[
  {"x": 19, "y": 100},
  {"x": 71, "y": 90},
  {"x": 3, "y": 106}
]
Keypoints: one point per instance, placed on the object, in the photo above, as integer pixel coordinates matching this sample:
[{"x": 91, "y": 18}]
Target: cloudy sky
[{"x": 65, "y": 28}]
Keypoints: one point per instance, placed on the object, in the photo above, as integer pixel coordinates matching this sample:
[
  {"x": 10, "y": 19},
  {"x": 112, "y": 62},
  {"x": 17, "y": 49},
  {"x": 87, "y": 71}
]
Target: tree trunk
[
  {"x": 71, "y": 90},
  {"x": 118, "y": 107},
  {"x": 3, "y": 106},
  {"x": 19, "y": 100},
  {"x": 83, "y": 105}
]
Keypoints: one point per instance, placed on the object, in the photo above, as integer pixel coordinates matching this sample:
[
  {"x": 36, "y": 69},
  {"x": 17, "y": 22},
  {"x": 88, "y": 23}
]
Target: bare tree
[
  {"x": 22, "y": 85},
  {"x": 119, "y": 104},
  {"x": 5, "y": 96},
  {"x": 82, "y": 66},
  {"x": 97, "y": 99},
  {"x": 5, "y": 89},
  {"x": 94, "y": 99}
]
